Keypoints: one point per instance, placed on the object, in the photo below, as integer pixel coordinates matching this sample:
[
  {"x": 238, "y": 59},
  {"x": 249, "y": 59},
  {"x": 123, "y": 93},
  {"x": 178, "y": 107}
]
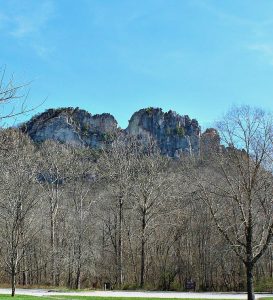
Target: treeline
[{"x": 136, "y": 219}]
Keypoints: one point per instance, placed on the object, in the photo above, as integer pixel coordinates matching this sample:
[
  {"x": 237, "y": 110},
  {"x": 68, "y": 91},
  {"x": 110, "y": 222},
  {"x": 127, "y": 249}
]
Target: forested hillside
[
  {"x": 128, "y": 215},
  {"x": 174, "y": 134}
]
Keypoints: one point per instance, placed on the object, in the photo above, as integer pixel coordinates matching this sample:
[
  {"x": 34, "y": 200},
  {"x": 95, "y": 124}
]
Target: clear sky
[{"x": 197, "y": 57}]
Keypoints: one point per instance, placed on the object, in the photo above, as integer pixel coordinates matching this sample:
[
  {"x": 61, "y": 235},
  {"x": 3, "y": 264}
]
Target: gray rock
[
  {"x": 173, "y": 133},
  {"x": 73, "y": 126}
]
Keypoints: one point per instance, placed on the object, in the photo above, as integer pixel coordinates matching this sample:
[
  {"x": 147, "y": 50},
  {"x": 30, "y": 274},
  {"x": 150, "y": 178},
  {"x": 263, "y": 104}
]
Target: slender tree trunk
[
  {"x": 249, "y": 257},
  {"x": 78, "y": 278},
  {"x": 25, "y": 274},
  {"x": 69, "y": 278},
  {"x": 120, "y": 244},
  {"x": 13, "y": 282},
  {"x": 79, "y": 254},
  {"x": 142, "y": 266},
  {"x": 270, "y": 262},
  {"x": 79, "y": 266},
  {"x": 52, "y": 242}
]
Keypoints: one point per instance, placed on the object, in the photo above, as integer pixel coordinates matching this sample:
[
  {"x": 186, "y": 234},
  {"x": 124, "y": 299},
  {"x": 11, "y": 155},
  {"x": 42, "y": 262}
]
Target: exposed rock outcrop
[
  {"x": 173, "y": 133},
  {"x": 72, "y": 126}
]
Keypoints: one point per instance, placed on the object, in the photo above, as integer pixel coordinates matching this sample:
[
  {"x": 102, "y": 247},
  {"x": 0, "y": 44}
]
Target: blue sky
[{"x": 197, "y": 57}]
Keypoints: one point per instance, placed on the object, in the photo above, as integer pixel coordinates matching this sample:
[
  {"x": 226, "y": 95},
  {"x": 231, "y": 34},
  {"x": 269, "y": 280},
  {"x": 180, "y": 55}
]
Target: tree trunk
[
  {"x": 249, "y": 260},
  {"x": 142, "y": 266},
  {"x": 13, "y": 282},
  {"x": 53, "y": 252},
  {"x": 79, "y": 255},
  {"x": 78, "y": 278},
  {"x": 120, "y": 244},
  {"x": 79, "y": 265},
  {"x": 249, "y": 272},
  {"x": 69, "y": 279}
]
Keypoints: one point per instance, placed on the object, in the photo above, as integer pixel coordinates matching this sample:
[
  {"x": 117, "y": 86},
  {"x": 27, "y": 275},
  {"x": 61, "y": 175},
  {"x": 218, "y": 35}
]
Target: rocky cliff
[
  {"x": 73, "y": 126},
  {"x": 174, "y": 134}
]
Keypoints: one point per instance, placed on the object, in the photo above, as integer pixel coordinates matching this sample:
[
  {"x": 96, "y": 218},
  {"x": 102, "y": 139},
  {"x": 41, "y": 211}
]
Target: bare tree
[
  {"x": 115, "y": 167},
  {"x": 150, "y": 187},
  {"x": 18, "y": 201},
  {"x": 12, "y": 97},
  {"x": 54, "y": 171},
  {"x": 80, "y": 181},
  {"x": 237, "y": 185}
]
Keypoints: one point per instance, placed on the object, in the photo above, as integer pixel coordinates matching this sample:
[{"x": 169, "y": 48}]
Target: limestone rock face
[
  {"x": 173, "y": 133},
  {"x": 72, "y": 126}
]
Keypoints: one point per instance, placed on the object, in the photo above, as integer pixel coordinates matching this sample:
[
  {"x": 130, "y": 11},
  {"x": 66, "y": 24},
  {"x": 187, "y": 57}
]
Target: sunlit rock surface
[
  {"x": 72, "y": 126},
  {"x": 173, "y": 133}
]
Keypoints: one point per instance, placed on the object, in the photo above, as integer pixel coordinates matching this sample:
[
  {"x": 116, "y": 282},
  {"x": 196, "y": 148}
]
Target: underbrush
[{"x": 264, "y": 285}]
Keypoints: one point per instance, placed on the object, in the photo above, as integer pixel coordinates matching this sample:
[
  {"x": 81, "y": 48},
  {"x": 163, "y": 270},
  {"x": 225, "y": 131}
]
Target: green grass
[
  {"x": 264, "y": 285},
  {"x": 116, "y": 298},
  {"x": 22, "y": 297}
]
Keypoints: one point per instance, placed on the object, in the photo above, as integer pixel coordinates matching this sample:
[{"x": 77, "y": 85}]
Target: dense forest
[{"x": 127, "y": 215}]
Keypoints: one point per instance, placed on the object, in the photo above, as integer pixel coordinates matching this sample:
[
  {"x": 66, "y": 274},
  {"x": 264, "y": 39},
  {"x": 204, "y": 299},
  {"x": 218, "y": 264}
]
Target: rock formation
[
  {"x": 72, "y": 126},
  {"x": 173, "y": 133}
]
